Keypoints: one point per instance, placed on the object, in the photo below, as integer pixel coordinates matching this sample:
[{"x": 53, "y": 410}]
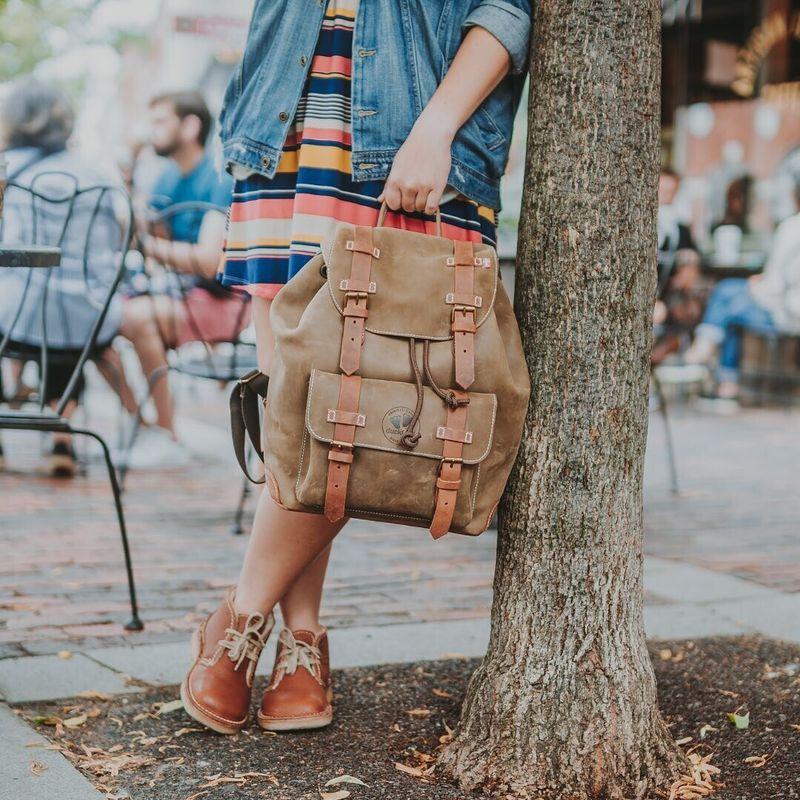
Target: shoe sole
[
  {"x": 59, "y": 466},
  {"x": 321, "y": 720},
  {"x": 197, "y": 713}
]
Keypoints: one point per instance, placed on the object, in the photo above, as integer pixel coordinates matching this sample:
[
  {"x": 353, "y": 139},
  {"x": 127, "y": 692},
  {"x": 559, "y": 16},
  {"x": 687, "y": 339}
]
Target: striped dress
[{"x": 276, "y": 225}]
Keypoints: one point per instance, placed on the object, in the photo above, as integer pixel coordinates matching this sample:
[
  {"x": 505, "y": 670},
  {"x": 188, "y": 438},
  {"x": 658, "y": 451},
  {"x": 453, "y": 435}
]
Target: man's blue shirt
[{"x": 204, "y": 184}]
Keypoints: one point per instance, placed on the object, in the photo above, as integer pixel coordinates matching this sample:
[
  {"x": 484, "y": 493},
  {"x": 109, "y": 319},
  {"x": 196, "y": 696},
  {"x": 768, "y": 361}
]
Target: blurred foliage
[{"x": 34, "y": 30}]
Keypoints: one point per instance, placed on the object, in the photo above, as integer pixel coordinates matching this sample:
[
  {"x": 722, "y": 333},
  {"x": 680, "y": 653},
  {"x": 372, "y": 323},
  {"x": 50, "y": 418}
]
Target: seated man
[
  {"x": 35, "y": 125},
  {"x": 766, "y": 303},
  {"x": 187, "y": 242}
]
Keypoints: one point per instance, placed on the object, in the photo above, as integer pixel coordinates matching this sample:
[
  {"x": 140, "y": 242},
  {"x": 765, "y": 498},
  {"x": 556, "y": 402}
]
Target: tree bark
[{"x": 564, "y": 703}]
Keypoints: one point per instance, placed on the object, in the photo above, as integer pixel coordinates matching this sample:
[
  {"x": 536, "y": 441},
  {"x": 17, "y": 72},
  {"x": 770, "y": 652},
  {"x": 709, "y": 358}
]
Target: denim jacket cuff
[{"x": 508, "y": 23}]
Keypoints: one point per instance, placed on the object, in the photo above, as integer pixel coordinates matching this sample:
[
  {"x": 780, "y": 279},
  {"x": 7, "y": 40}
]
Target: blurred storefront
[{"x": 731, "y": 108}]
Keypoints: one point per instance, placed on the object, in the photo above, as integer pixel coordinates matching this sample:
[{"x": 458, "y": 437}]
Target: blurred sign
[{"x": 228, "y": 29}]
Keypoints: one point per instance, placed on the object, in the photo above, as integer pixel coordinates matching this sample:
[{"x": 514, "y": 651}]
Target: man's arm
[{"x": 200, "y": 258}]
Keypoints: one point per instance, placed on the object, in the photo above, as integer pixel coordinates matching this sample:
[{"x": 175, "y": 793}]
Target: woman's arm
[
  {"x": 421, "y": 167},
  {"x": 201, "y": 258}
]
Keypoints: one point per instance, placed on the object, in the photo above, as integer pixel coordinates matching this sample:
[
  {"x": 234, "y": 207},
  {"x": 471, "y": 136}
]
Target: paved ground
[{"x": 62, "y": 584}]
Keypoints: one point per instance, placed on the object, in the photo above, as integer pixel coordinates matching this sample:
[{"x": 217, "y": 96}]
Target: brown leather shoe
[
  {"x": 226, "y": 647},
  {"x": 299, "y": 694}
]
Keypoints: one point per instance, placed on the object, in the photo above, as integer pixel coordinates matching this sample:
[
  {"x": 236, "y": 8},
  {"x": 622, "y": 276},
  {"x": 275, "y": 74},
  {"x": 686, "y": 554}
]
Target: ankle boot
[
  {"x": 299, "y": 694},
  {"x": 226, "y": 648}
]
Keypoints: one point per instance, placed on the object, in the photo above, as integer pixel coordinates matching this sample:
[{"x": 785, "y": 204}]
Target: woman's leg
[
  {"x": 725, "y": 301},
  {"x": 287, "y": 554}
]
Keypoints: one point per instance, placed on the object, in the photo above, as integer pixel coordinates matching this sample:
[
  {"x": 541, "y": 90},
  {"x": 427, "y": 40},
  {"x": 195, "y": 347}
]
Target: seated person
[
  {"x": 189, "y": 243},
  {"x": 678, "y": 304},
  {"x": 36, "y": 121},
  {"x": 766, "y": 303}
]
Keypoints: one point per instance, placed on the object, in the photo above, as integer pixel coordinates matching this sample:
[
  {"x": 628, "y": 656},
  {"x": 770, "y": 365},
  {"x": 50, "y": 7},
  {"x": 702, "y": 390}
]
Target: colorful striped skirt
[{"x": 276, "y": 225}]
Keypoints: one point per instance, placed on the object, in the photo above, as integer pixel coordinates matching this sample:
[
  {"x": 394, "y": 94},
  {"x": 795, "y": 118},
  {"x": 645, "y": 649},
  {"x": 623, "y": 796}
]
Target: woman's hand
[{"x": 420, "y": 169}]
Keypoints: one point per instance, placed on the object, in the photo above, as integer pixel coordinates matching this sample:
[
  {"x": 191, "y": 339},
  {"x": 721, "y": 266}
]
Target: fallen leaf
[
  {"x": 415, "y": 771},
  {"x": 64, "y": 654},
  {"x": 115, "y": 749},
  {"x": 741, "y": 721},
  {"x": 75, "y": 722},
  {"x": 184, "y": 731},
  {"x": 665, "y": 654},
  {"x": 37, "y": 768},
  {"x": 167, "y": 708},
  {"x": 419, "y": 712},
  {"x": 196, "y": 795},
  {"x": 795, "y": 727},
  {"x": 345, "y": 779},
  {"x": 441, "y": 693},
  {"x": 340, "y": 795},
  {"x": 93, "y": 694},
  {"x": 756, "y": 761},
  {"x": 706, "y": 729},
  {"x": 685, "y": 740}
]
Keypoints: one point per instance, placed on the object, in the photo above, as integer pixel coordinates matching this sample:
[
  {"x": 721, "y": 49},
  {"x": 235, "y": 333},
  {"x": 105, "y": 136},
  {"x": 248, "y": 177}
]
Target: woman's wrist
[{"x": 433, "y": 123}]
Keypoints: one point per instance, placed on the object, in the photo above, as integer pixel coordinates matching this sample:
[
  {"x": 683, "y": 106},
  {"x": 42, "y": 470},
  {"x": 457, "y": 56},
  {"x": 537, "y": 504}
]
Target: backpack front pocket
[{"x": 389, "y": 478}]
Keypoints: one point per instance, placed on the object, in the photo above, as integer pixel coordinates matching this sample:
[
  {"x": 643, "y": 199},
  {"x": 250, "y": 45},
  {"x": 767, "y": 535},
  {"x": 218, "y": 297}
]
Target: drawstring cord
[
  {"x": 448, "y": 396},
  {"x": 412, "y": 436}
]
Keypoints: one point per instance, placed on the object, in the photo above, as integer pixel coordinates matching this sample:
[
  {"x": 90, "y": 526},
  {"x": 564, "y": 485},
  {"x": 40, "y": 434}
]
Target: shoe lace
[
  {"x": 247, "y": 643},
  {"x": 296, "y": 653}
]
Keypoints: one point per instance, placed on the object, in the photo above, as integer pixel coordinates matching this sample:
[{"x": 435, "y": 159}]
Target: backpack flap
[{"x": 410, "y": 272}]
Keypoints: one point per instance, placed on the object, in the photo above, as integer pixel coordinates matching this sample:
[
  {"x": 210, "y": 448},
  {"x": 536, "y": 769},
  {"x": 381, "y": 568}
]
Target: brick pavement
[{"x": 62, "y": 582}]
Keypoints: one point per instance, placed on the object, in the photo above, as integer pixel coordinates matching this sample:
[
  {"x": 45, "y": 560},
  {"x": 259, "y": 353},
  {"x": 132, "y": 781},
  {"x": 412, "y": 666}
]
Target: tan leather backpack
[{"x": 398, "y": 386}]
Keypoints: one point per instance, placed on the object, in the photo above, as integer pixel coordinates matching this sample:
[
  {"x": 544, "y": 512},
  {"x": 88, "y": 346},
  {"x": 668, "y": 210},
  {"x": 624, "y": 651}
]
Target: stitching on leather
[{"x": 397, "y": 451}]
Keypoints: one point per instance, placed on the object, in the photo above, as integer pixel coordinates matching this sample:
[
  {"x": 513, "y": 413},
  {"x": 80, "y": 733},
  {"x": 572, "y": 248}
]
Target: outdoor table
[
  {"x": 748, "y": 263},
  {"x": 29, "y": 255}
]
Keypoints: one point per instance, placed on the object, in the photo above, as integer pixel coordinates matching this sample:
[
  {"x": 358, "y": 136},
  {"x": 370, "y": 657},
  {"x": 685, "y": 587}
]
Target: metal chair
[
  {"x": 54, "y": 209},
  {"x": 666, "y": 266},
  {"x": 222, "y": 359}
]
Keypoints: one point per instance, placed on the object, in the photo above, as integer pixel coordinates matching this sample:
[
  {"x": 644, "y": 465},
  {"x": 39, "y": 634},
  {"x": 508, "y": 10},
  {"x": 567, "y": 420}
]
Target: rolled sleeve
[{"x": 509, "y": 22}]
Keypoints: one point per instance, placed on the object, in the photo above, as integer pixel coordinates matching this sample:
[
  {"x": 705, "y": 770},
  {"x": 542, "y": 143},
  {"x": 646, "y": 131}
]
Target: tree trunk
[{"x": 564, "y": 703}]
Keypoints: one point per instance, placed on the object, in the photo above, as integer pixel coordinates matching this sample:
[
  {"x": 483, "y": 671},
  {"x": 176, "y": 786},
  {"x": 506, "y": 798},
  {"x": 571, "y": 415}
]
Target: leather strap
[
  {"x": 340, "y": 455},
  {"x": 448, "y": 482},
  {"x": 463, "y": 315},
  {"x": 359, "y": 287},
  {"x": 245, "y": 421}
]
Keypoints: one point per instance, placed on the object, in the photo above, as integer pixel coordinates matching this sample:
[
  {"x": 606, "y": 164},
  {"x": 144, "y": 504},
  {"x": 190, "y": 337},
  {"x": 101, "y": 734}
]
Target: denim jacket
[{"x": 401, "y": 51}]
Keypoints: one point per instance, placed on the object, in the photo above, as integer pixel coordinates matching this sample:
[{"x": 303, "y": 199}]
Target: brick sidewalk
[{"x": 62, "y": 582}]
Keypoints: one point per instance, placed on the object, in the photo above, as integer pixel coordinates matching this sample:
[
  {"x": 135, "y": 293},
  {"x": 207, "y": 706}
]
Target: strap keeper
[
  {"x": 462, "y": 325},
  {"x": 356, "y": 287},
  {"x": 448, "y": 486},
  {"x": 355, "y": 310},
  {"x": 341, "y": 456},
  {"x": 453, "y": 435},
  {"x": 463, "y": 302},
  {"x": 351, "y": 245},
  {"x": 336, "y": 415}
]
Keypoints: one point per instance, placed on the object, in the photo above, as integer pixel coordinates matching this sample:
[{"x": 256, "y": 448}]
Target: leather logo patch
[{"x": 395, "y": 422}]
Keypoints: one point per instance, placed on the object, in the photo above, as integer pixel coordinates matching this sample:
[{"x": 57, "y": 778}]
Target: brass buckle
[
  {"x": 249, "y": 376},
  {"x": 451, "y": 460},
  {"x": 463, "y": 309}
]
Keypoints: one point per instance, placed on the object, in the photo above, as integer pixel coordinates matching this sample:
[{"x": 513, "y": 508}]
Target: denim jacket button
[
  {"x": 283, "y": 116},
  {"x": 303, "y": 61},
  {"x": 266, "y": 161}
]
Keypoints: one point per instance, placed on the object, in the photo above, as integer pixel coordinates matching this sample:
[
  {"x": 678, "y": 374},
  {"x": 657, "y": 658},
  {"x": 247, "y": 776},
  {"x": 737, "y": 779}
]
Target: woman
[
  {"x": 768, "y": 304},
  {"x": 330, "y": 99},
  {"x": 36, "y": 124}
]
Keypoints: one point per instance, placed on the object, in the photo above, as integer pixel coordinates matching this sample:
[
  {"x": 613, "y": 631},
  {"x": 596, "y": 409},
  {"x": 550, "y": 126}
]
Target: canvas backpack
[{"x": 398, "y": 386}]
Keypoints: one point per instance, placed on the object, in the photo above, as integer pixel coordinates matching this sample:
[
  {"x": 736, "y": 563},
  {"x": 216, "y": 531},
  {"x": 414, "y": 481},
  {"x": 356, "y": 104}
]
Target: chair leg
[
  {"x": 662, "y": 407},
  {"x": 134, "y": 623},
  {"x": 236, "y": 526}
]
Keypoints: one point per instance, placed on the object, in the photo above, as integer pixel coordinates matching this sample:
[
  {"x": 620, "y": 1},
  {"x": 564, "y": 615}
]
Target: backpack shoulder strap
[{"x": 245, "y": 420}]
